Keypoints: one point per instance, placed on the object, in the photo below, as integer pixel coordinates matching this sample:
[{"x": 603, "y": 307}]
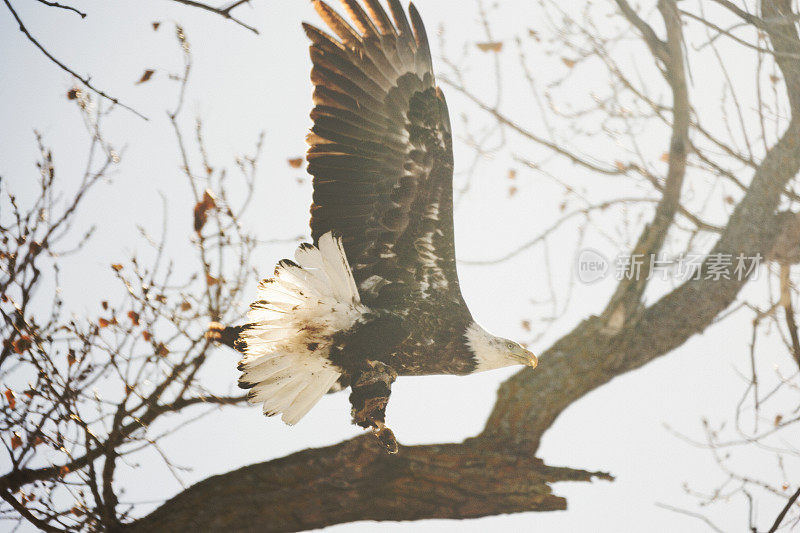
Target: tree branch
[
  {"x": 785, "y": 510},
  {"x": 83, "y": 79},
  {"x": 629, "y": 292},
  {"x": 307, "y": 489},
  {"x": 41, "y": 524},
  {"x": 224, "y": 12},
  {"x": 656, "y": 45},
  {"x": 63, "y": 6},
  {"x": 17, "y": 478}
]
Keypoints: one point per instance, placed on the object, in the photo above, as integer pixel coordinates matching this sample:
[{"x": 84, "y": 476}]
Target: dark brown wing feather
[{"x": 381, "y": 151}]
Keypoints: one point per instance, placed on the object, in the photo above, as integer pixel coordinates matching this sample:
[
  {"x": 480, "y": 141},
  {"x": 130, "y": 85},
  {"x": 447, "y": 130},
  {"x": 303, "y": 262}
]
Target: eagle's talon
[{"x": 385, "y": 436}]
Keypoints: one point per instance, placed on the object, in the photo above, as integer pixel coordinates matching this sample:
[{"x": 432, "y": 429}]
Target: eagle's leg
[{"x": 370, "y": 394}]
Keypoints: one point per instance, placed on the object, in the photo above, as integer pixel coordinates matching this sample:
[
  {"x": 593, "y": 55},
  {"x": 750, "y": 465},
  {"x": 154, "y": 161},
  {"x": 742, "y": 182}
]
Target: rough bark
[{"x": 358, "y": 480}]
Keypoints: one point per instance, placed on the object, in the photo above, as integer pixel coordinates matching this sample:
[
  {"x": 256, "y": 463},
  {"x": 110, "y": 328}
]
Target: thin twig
[
  {"x": 63, "y": 6},
  {"x": 85, "y": 80},
  {"x": 224, "y": 12},
  {"x": 689, "y": 513}
]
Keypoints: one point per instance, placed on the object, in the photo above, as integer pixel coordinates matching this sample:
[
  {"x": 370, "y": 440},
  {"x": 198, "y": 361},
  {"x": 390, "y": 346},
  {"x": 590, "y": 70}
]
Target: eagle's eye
[{"x": 510, "y": 345}]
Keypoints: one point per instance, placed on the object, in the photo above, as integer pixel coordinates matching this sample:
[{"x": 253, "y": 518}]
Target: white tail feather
[
  {"x": 337, "y": 268},
  {"x": 308, "y": 398},
  {"x": 292, "y": 323}
]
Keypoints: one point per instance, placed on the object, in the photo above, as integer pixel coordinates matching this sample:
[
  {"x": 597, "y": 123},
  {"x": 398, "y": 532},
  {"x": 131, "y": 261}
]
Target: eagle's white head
[{"x": 492, "y": 352}]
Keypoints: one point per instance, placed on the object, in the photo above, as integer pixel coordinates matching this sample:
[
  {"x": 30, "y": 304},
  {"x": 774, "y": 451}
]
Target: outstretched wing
[{"x": 381, "y": 152}]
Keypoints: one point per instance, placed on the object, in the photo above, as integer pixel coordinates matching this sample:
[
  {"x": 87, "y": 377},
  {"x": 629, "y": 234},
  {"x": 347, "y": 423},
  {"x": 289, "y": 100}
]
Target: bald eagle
[{"x": 376, "y": 295}]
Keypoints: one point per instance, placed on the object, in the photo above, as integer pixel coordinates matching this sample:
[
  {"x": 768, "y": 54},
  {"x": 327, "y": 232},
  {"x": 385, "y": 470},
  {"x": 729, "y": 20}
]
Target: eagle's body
[{"x": 377, "y": 294}]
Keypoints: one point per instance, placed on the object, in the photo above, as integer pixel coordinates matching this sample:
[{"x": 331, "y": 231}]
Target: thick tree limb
[{"x": 358, "y": 480}]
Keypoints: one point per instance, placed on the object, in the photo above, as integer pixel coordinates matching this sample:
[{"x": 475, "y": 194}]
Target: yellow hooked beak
[{"x": 532, "y": 361}]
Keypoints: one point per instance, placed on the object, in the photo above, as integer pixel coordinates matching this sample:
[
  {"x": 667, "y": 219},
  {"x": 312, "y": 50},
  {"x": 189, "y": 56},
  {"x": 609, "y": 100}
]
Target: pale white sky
[{"x": 243, "y": 84}]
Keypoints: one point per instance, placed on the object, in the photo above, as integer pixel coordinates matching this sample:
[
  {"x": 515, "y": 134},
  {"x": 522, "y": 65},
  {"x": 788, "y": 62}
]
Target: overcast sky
[{"x": 243, "y": 84}]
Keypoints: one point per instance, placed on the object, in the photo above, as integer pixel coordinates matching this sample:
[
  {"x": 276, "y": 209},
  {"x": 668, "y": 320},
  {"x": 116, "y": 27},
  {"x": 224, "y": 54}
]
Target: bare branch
[
  {"x": 785, "y": 510},
  {"x": 224, "y": 12},
  {"x": 83, "y": 79},
  {"x": 62, "y": 6},
  {"x": 627, "y": 297}
]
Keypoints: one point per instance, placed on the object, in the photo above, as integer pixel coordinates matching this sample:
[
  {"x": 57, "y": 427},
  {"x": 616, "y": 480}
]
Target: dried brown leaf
[
  {"x": 146, "y": 75},
  {"x": 202, "y": 208},
  {"x": 492, "y": 46},
  {"x": 11, "y": 398},
  {"x": 21, "y": 344}
]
